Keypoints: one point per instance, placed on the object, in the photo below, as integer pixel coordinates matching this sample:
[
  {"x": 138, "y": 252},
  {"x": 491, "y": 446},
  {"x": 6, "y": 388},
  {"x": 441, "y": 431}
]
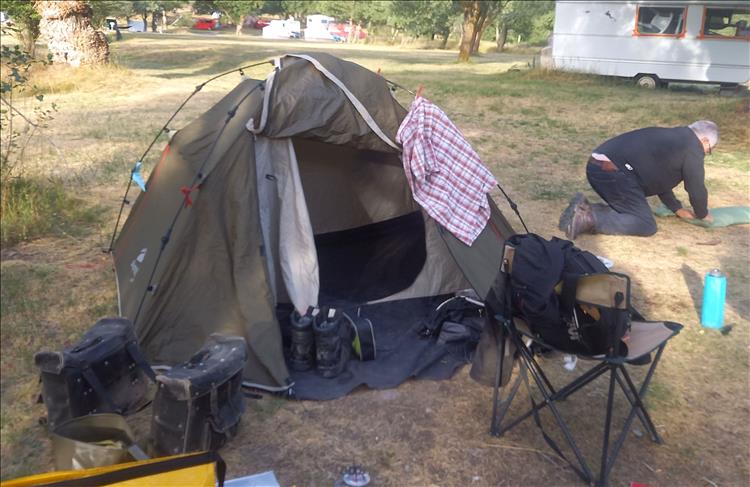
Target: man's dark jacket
[{"x": 660, "y": 159}]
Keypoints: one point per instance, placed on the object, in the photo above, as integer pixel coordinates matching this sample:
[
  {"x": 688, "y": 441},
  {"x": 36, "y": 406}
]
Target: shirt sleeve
[
  {"x": 693, "y": 176},
  {"x": 670, "y": 201}
]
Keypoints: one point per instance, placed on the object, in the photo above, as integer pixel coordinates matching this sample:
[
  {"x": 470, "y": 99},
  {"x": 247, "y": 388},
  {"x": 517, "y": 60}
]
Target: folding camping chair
[{"x": 609, "y": 291}]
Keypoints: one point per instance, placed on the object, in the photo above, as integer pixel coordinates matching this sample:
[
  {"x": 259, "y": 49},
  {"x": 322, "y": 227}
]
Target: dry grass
[{"x": 533, "y": 129}]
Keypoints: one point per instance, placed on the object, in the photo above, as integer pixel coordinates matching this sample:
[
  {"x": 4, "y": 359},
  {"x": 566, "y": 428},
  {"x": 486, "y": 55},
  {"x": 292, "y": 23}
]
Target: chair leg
[
  {"x": 496, "y": 386},
  {"x": 631, "y": 393},
  {"x": 603, "y": 471},
  {"x": 629, "y": 421},
  {"x": 640, "y": 394},
  {"x": 584, "y": 472}
]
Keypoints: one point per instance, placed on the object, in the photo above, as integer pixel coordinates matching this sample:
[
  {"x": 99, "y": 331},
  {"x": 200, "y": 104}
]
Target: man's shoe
[
  {"x": 582, "y": 222},
  {"x": 567, "y": 215}
]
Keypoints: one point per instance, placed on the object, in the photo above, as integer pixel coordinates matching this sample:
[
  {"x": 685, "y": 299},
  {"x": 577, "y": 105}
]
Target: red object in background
[
  {"x": 260, "y": 23},
  {"x": 638, "y": 484},
  {"x": 205, "y": 24},
  {"x": 342, "y": 30}
]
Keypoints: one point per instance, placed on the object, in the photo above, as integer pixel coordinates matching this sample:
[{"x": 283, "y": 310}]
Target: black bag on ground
[
  {"x": 543, "y": 282},
  {"x": 104, "y": 373},
  {"x": 199, "y": 403}
]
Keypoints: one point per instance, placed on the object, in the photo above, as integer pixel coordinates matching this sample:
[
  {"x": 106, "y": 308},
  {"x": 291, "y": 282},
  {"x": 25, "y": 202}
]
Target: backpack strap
[
  {"x": 96, "y": 384},
  {"x": 140, "y": 361},
  {"x": 568, "y": 295}
]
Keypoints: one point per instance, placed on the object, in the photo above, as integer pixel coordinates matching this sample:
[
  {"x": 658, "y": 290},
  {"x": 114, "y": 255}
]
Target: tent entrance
[
  {"x": 369, "y": 234},
  {"x": 370, "y": 262}
]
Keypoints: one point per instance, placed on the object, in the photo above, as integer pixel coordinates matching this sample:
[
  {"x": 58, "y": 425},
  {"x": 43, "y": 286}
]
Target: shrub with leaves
[
  {"x": 17, "y": 128},
  {"x": 27, "y": 206}
]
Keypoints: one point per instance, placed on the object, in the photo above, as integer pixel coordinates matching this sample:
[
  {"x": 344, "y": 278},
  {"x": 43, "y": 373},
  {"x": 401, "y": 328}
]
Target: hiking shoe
[
  {"x": 302, "y": 354},
  {"x": 567, "y": 214},
  {"x": 582, "y": 222},
  {"x": 332, "y": 345}
]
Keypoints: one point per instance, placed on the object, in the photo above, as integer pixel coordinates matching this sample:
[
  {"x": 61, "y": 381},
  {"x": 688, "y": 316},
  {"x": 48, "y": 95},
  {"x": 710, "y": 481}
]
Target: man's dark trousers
[{"x": 627, "y": 212}]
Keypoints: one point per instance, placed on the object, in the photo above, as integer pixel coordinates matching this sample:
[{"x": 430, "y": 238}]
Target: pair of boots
[
  {"x": 577, "y": 218},
  {"x": 320, "y": 338}
]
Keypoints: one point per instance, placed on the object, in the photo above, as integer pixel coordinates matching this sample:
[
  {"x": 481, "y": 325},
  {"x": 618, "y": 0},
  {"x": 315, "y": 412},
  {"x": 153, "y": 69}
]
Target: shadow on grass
[{"x": 694, "y": 283}]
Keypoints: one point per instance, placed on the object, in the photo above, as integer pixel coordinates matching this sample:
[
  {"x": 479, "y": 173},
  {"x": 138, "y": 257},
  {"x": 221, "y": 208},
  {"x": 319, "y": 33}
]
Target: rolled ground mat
[{"x": 722, "y": 217}]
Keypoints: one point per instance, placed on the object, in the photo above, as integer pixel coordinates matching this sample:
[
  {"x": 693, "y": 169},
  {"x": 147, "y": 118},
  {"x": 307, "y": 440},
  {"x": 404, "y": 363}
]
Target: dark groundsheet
[{"x": 402, "y": 353}]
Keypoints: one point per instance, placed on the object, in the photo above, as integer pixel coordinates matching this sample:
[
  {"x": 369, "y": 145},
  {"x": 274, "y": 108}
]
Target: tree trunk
[
  {"x": 28, "y": 41},
  {"x": 238, "y": 27},
  {"x": 481, "y": 26},
  {"x": 145, "y": 20},
  {"x": 153, "y": 21},
  {"x": 444, "y": 41},
  {"x": 66, "y": 25},
  {"x": 501, "y": 35},
  {"x": 472, "y": 16},
  {"x": 163, "y": 21}
]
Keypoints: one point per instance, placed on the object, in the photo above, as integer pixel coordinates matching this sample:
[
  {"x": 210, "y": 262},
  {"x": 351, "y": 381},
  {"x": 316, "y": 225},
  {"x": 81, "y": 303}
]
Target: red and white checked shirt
[{"x": 446, "y": 176}]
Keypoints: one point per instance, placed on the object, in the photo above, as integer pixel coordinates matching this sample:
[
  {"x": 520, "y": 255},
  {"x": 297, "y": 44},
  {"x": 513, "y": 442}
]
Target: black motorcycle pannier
[
  {"x": 199, "y": 403},
  {"x": 104, "y": 373}
]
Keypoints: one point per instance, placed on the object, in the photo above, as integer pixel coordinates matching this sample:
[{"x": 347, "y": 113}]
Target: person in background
[{"x": 626, "y": 169}]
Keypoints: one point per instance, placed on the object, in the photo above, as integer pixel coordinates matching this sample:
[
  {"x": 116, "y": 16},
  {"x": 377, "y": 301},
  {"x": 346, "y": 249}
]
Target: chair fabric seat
[{"x": 644, "y": 337}]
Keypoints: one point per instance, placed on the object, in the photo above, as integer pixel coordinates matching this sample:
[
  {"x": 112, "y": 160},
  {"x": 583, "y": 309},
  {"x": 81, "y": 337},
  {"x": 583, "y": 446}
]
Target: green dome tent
[{"x": 288, "y": 190}]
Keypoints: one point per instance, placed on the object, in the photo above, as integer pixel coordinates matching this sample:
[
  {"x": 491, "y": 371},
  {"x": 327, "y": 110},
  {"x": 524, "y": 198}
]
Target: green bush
[{"x": 33, "y": 208}]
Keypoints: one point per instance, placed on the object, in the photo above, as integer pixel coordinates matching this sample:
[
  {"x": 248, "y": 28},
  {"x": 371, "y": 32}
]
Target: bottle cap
[{"x": 715, "y": 273}]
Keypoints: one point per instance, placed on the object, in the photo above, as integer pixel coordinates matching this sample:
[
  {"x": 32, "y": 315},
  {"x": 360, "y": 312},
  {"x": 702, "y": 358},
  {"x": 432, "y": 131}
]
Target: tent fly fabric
[{"x": 290, "y": 192}]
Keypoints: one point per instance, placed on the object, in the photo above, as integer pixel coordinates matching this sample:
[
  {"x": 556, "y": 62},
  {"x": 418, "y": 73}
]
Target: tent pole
[
  {"x": 164, "y": 129},
  {"x": 199, "y": 176}
]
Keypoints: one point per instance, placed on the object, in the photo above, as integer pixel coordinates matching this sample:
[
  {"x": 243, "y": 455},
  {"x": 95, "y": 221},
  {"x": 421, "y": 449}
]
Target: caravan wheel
[{"x": 649, "y": 81}]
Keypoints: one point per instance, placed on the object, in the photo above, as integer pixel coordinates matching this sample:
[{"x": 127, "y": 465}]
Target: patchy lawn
[{"x": 534, "y": 130}]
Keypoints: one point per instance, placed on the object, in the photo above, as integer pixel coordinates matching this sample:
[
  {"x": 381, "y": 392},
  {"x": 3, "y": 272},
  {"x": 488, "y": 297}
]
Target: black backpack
[{"x": 543, "y": 280}]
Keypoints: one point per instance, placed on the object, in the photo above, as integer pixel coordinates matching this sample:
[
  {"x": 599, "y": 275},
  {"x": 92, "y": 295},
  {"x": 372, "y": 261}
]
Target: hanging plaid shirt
[{"x": 446, "y": 176}]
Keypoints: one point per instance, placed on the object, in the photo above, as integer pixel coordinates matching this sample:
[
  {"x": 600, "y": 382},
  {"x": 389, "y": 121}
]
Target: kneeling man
[{"x": 626, "y": 169}]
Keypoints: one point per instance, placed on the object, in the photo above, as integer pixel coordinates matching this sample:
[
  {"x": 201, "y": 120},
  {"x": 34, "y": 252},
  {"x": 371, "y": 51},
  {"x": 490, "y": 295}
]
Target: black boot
[
  {"x": 302, "y": 356},
  {"x": 332, "y": 344}
]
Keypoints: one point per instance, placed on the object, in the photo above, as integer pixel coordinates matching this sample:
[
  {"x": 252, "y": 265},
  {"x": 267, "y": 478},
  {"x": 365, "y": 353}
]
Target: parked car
[{"x": 206, "y": 24}]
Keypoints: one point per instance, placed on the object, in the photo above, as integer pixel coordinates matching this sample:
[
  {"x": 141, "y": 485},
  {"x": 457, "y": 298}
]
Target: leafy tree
[
  {"x": 17, "y": 65},
  {"x": 26, "y": 20},
  {"x": 102, "y": 9},
  {"x": 144, "y": 7},
  {"x": 530, "y": 20},
  {"x": 237, "y": 10},
  {"x": 299, "y": 9},
  {"x": 425, "y": 17}
]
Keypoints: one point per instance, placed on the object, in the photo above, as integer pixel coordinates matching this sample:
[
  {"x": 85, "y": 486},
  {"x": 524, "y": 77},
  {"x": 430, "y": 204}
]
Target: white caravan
[
  {"x": 282, "y": 29},
  {"x": 654, "y": 42},
  {"x": 317, "y": 27}
]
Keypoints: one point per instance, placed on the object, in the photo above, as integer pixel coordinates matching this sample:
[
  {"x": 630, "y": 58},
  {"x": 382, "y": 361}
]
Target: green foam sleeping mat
[{"x": 723, "y": 217}]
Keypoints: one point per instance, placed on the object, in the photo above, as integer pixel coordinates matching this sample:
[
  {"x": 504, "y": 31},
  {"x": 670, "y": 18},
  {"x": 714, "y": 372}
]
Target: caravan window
[
  {"x": 732, "y": 23},
  {"x": 660, "y": 21}
]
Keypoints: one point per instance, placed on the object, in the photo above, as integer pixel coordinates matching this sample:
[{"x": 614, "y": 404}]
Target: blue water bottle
[{"x": 714, "y": 295}]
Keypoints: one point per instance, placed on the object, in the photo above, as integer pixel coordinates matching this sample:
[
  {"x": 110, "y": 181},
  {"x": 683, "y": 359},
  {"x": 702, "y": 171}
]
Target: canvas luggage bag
[
  {"x": 199, "y": 403},
  {"x": 96, "y": 440},
  {"x": 103, "y": 373}
]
